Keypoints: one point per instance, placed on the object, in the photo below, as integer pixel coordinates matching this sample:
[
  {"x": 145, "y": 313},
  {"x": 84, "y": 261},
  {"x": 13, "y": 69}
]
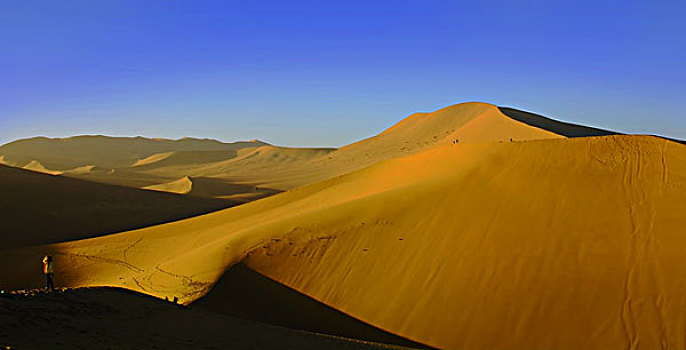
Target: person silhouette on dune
[{"x": 48, "y": 270}]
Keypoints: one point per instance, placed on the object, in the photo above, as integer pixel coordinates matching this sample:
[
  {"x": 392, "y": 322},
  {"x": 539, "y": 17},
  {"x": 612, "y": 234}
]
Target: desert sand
[
  {"x": 108, "y": 318},
  {"x": 39, "y": 209},
  {"x": 159, "y": 164},
  {"x": 511, "y": 237}
]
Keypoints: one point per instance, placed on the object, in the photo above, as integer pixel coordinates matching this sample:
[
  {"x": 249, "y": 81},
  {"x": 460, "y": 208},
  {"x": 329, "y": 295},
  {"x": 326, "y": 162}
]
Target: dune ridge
[
  {"x": 555, "y": 126},
  {"x": 465, "y": 123},
  {"x": 103, "y": 151},
  {"x": 36, "y": 166},
  {"x": 181, "y": 186}
]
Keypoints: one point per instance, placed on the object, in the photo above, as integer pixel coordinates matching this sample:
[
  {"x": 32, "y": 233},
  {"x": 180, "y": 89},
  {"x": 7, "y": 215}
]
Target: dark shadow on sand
[
  {"x": 246, "y": 294},
  {"x": 560, "y": 128}
]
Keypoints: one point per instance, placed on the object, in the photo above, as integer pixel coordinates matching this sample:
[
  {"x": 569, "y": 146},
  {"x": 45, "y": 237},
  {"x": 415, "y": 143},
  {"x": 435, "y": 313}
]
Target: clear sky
[{"x": 326, "y": 73}]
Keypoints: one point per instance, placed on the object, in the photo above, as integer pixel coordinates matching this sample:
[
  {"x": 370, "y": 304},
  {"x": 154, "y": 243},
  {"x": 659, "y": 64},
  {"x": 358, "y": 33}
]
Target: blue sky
[{"x": 320, "y": 73}]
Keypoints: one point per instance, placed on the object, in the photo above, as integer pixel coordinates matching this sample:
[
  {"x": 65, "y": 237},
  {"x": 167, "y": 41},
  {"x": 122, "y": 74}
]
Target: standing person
[{"x": 48, "y": 270}]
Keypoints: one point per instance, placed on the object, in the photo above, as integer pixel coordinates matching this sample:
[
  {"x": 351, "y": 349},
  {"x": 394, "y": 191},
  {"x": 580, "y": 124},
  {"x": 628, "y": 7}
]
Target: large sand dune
[
  {"x": 153, "y": 163},
  {"x": 543, "y": 244},
  {"x": 286, "y": 169}
]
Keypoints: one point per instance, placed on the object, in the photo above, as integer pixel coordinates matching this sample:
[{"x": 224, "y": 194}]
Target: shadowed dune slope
[
  {"x": 110, "y": 318},
  {"x": 38, "y": 208},
  {"x": 103, "y": 151},
  {"x": 572, "y": 243},
  {"x": 248, "y": 295},
  {"x": 558, "y": 127},
  {"x": 561, "y": 128}
]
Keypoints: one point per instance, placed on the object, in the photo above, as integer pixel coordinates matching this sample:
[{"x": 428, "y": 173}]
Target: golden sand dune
[
  {"x": 269, "y": 166},
  {"x": 181, "y": 186},
  {"x": 36, "y": 166},
  {"x": 540, "y": 244},
  {"x": 38, "y": 208},
  {"x": 179, "y": 161},
  {"x": 103, "y": 151},
  {"x": 152, "y": 159},
  {"x": 142, "y": 163},
  {"x": 462, "y": 123}
]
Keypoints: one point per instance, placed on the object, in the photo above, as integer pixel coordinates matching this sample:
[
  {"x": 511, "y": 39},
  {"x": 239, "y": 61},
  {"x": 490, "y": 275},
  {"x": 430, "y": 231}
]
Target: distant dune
[
  {"x": 36, "y": 166},
  {"x": 39, "y": 208},
  {"x": 462, "y": 123},
  {"x": 181, "y": 186},
  {"x": 103, "y": 151},
  {"x": 458, "y": 229}
]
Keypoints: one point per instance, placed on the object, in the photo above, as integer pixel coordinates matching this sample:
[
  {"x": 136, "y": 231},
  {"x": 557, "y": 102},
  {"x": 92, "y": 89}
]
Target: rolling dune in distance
[
  {"x": 461, "y": 228},
  {"x": 39, "y": 208},
  {"x": 103, "y": 151},
  {"x": 181, "y": 186},
  {"x": 466, "y": 122}
]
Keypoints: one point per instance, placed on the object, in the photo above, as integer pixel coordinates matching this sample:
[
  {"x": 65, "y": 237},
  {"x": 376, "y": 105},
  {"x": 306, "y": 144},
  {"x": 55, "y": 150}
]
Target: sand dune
[
  {"x": 152, "y": 159},
  {"x": 38, "y": 208},
  {"x": 176, "y": 162},
  {"x": 558, "y": 127},
  {"x": 145, "y": 163},
  {"x": 106, "y": 318},
  {"x": 461, "y": 228},
  {"x": 181, "y": 186},
  {"x": 36, "y": 166},
  {"x": 103, "y": 151},
  {"x": 466, "y": 123},
  {"x": 539, "y": 244}
]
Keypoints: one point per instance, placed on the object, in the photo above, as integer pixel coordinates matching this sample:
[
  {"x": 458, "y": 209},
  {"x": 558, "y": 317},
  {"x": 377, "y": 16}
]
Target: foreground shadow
[{"x": 246, "y": 294}]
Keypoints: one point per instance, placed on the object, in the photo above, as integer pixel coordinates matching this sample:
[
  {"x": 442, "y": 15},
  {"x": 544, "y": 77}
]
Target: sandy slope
[
  {"x": 286, "y": 169},
  {"x": 38, "y": 167},
  {"x": 145, "y": 163},
  {"x": 106, "y": 318},
  {"x": 543, "y": 244},
  {"x": 38, "y": 208},
  {"x": 181, "y": 186}
]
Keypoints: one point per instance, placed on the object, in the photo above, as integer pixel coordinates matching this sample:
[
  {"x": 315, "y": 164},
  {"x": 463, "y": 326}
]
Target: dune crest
[
  {"x": 152, "y": 159},
  {"x": 36, "y": 166},
  {"x": 181, "y": 186},
  {"x": 286, "y": 169}
]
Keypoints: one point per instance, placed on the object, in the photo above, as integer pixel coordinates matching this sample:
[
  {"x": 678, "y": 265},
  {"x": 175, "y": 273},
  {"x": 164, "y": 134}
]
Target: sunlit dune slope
[
  {"x": 142, "y": 163},
  {"x": 38, "y": 167},
  {"x": 544, "y": 244},
  {"x": 181, "y": 186},
  {"x": 177, "y": 162},
  {"x": 462, "y": 123},
  {"x": 39, "y": 208},
  {"x": 103, "y": 151}
]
